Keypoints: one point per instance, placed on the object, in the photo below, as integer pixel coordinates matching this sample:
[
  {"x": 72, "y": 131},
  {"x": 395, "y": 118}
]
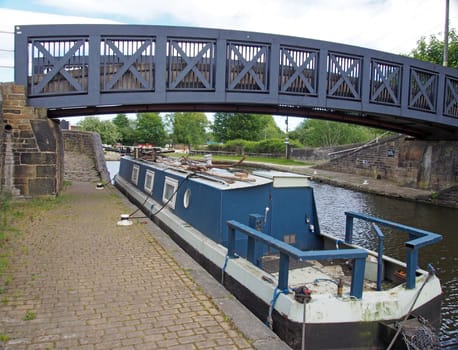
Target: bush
[{"x": 240, "y": 147}]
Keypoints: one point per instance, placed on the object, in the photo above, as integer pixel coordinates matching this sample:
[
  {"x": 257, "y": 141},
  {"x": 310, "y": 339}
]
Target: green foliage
[
  {"x": 319, "y": 133},
  {"x": 105, "y": 128},
  {"x": 150, "y": 129},
  {"x": 121, "y": 121},
  {"x": 239, "y": 146},
  {"x": 126, "y": 129},
  {"x": 252, "y": 127},
  {"x": 432, "y": 49},
  {"x": 30, "y": 315},
  {"x": 188, "y": 128}
]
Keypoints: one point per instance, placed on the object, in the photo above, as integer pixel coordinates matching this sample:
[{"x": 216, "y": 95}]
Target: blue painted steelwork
[
  {"x": 286, "y": 251},
  {"x": 380, "y": 238},
  {"x": 417, "y": 239},
  {"x": 100, "y": 69}
]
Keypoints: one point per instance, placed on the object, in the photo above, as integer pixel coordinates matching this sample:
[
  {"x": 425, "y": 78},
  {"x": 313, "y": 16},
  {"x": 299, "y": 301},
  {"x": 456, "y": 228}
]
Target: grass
[
  {"x": 11, "y": 213},
  {"x": 278, "y": 161},
  {"x": 30, "y": 315}
]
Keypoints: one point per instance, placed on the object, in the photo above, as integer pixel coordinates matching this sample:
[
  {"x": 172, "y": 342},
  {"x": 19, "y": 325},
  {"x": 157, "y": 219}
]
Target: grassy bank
[{"x": 278, "y": 161}]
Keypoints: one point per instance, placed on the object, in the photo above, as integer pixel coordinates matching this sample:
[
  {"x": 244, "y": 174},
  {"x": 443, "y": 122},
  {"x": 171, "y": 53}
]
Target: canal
[{"x": 332, "y": 202}]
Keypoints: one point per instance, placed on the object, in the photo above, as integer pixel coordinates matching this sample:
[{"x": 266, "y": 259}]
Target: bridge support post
[{"x": 31, "y": 153}]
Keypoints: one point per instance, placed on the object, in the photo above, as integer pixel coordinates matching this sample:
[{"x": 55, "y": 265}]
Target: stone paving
[{"x": 79, "y": 281}]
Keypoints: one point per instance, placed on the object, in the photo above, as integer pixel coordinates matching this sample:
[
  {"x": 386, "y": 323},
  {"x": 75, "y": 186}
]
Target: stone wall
[
  {"x": 84, "y": 158},
  {"x": 32, "y": 148},
  {"x": 431, "y": 165}
]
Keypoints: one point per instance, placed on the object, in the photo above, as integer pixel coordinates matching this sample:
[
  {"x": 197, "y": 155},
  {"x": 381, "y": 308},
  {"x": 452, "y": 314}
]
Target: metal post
[
  {"x": 412, "y": 262},
  {"x": 357, "y": 281},
  {"x": 348, "y": 229},
  {"x": 231, "y": 243},
  {"x": 283, "y": 272},
  {"x": 447, "y": 7}
]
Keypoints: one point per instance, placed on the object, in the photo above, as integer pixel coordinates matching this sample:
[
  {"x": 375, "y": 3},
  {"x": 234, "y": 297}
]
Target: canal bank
[
  {"x": 367, "y": 184},
  {"x": 77, "y": 280}
]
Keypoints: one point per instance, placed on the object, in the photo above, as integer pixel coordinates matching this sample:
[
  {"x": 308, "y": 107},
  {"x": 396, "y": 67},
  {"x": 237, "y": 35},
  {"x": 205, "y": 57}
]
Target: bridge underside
[
  {"x": 100, "y": 69},
  {"x": 424, "y": 130}
]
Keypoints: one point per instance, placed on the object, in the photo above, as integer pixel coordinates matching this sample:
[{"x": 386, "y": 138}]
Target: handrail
[
  {"x": 106, "y": 69},
  {"x": 287, "y": 251},
  {"x": 417, "y": 239}
]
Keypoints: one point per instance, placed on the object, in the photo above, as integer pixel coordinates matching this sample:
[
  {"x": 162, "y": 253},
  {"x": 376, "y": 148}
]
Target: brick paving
[{"x": 86, "y": 283}]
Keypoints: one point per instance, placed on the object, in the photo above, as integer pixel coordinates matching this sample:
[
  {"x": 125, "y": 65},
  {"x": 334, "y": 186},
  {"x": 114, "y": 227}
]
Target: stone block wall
[
  {"x": 31, "y": 147},
  {"x": 84, "y": 158},
  {"x": 431, "y": 165}
]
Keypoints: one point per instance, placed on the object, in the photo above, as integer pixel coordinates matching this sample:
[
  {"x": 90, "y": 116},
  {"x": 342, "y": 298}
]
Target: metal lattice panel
[
  {"x": 451, "y": 97},
  {"x": 385, "y": 82},
  {"x": 423, "y": 90},
  {"x": 247, "y": 66},
  {"x": 344, "y": 73},
  {"x": 191, "y": 64},
  {"x": 127, "y": 63},
  {"x": 58, "y": 66},
  {"x": 298, "y": 71},
  {"x": 106, "y": 69}
]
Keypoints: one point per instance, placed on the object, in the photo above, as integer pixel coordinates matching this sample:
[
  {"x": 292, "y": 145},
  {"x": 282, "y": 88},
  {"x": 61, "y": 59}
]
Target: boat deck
[{"x": 321, "y": 277}]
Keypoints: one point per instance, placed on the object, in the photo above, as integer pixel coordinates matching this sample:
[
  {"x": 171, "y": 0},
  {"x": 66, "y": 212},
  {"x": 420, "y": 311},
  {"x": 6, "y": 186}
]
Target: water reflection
[{"x": 332, "y": 202}]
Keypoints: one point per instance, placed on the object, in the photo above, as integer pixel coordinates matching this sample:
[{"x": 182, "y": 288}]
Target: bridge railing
[{"x": 102, "y": 65}]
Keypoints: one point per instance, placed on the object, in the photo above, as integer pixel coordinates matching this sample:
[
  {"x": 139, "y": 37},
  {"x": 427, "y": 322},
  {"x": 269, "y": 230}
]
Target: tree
[
  {"x": 319, "y": 133},
  {"x": 188, "y": 128},
  {"x": 432, "y": 50},
  {"x": 150, "y": 129},
  {"x": 231, "y": 126},
  {"x": 125, "y": 128},
  {"x": 121, "y": 121},
  {"x": 106, "y": 129}
]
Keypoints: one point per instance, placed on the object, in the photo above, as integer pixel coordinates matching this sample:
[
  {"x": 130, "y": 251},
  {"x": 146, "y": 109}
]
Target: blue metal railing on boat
[
  {"x": 417, "y": 239},
  {"x": 287, "y": 251}
]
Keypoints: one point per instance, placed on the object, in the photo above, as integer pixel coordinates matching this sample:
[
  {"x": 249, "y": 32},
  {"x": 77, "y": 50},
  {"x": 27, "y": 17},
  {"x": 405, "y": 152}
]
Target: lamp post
[
  {"x": 286, "y": 139},
  {"x": 447, "y": 7}
]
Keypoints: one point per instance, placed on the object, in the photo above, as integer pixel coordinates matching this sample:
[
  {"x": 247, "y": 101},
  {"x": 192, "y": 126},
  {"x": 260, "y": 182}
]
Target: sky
[{"x": 393, "y": 26}]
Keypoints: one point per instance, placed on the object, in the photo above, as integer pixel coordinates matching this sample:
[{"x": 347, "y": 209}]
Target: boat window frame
[
  {"x": 135, "y": 174},
  {"x": 187, "y": 198},
  {"x": 173, "y": 183},
  {"x": 149, "y": 174}
]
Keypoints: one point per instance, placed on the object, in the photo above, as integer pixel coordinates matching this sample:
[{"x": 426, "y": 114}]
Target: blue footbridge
[{"x": 75, "y": 70}]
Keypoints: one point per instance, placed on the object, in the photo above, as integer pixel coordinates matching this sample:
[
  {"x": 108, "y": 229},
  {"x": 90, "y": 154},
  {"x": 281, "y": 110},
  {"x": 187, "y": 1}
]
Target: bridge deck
[{"x": 92, "y": 69}]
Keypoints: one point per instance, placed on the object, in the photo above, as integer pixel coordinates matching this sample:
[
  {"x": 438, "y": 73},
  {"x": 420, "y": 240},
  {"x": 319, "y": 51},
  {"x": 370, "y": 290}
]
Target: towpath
[{"x": 76, "y": 280}]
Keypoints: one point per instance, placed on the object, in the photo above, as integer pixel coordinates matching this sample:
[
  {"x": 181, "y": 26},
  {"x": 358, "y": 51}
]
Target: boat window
[
  {"x": 149, "y": 180},
  {"x": 135, "y": 171},
  {"x": 170, "y": 187},
  {"x": 187, "y": 198}
]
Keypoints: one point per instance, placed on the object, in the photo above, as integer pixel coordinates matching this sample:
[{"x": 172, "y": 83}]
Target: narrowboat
[{"x": 258, "y": 233}]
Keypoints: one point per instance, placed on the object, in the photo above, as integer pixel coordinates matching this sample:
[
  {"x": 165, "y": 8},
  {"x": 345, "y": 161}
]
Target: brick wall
[{"x": 32, "y": 149}]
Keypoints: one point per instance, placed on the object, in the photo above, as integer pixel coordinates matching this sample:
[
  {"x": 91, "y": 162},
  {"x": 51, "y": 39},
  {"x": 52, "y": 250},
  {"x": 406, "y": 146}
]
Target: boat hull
[{"x": 329, "y": 335}]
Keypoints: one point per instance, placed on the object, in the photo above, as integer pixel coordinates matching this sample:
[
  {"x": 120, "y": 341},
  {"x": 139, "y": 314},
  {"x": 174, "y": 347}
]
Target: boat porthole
[{"x": 187, "y": 198}]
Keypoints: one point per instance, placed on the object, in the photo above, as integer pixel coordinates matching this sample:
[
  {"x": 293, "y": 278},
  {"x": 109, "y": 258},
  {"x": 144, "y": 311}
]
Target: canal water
[{"x": 332, "y": 202}]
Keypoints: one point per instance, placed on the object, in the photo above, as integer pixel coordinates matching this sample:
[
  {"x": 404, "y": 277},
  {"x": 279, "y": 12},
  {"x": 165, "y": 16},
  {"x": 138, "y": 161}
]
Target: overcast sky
[{"x": 389, "y": 25}]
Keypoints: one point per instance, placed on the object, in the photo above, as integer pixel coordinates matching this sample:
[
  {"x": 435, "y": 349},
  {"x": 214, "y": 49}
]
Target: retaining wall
[
  {"x": 431, "y": 165},
  {"x": 31, "y": 147},
  {"x": 84, "y": 158}
]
